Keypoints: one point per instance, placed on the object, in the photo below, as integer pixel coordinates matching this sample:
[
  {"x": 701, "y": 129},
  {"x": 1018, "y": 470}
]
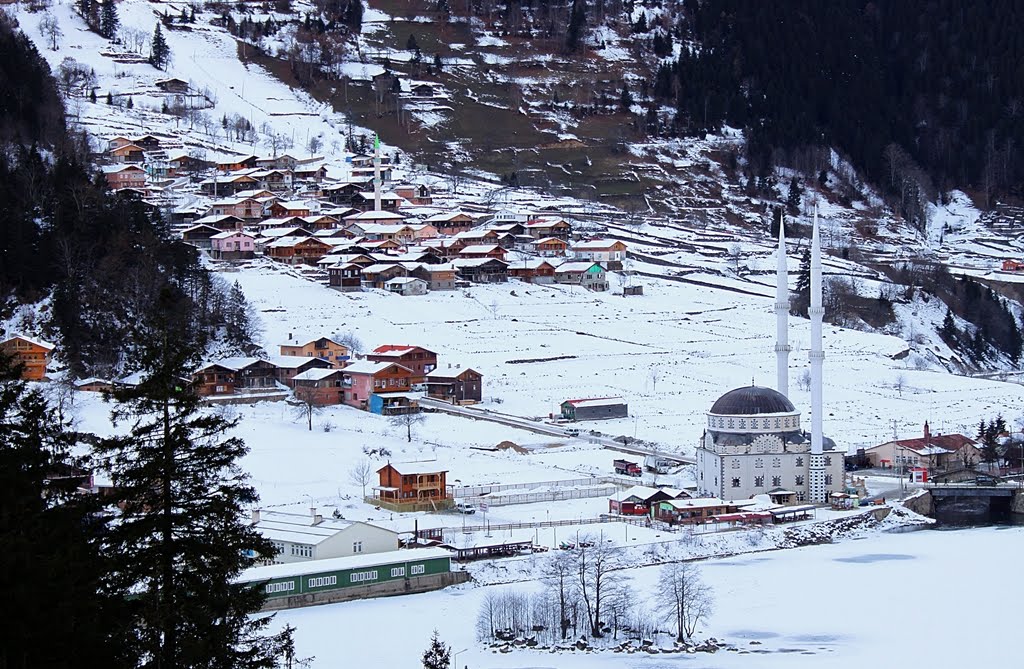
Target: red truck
[{"x": 626, "y": 467}]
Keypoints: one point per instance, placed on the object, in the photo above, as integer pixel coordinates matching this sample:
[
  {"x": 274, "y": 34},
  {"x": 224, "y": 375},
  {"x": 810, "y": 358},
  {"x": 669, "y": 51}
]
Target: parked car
[
  {"x": 464, "y": 507},
  {"x": 572, "y": 431}
]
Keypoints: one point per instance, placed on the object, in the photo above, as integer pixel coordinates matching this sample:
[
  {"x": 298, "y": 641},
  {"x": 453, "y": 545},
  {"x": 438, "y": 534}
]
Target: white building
[
  {"x": 753, "y": 443},
  {"x": 299, "y": 538}
]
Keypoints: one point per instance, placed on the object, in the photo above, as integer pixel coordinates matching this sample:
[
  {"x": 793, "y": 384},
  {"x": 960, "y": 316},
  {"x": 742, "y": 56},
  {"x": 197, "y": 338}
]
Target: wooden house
[
  {"x": 127, "y": 153},
  {"x": 481, "y": 270},
  {"x": 416, "y": 358},
  {"x": 213, "y": 379},
  {"x": 320, "y": 387},
  {"x": 323, "y": 348},
  {"x": 32, "y": 355},
  {"x": 347, "y": 277},
  {"x": 233, "y": 245},
  {"x": 437, "y": 276},
  {"x": 541, "y": 228},
  {"x": 640, "y": 500},
  {"x": 200, "y": 236},
  {"x": 297, "y": 250},
  {"x": 483, "y": 251},
  {"x": 317, "y": 222},
  {"x": 309, "y": 172},
  {"x": 455, "y": 386},
  {"x": 690, "y": 511},
  {"x": 590, "y": 275},
  {"x": 223, "y": 222},
  {"x": 147, "y": 142},
  {"x": 411, "y": 485},
  {"x": 125, "y": 176},
  {"x": 532, "y": 271},
  {"x": 362, "y": 379},
  {"x": 378, "y": 274},
  {"x": 237, "y": 163},
  {"x": 226, "y": 185},
  {"x": 372, "y": 217},
  {"x": 451, "y": 223},
  {"x": 172, "y": 85},
  {"x": 388, "y": 201},
  {"x": 550, "y": 247},
  {"x": 290, "y": 208},
  {"x": 418, "y": 195}
]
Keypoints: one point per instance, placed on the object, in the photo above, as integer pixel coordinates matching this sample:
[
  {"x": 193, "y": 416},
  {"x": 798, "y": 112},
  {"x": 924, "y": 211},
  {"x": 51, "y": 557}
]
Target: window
[
  {"x": 735, "y": 463},
  {"x": 776, "y": 481},
  {"x": 799, "y": 462},
  {"x": 322, "y": 581},
  {"x": 828, "y": 460},
  {"x": 800, "y": 497},
  {"x": 736, "y": 482},
  {"x": 799, "y": 479},
  {"x": 360, "y": 576},
  {"x": 357, "y": 546},
  {"x": 743, "y": 423},
  {"x": 759, "y": 481},
  {"x": 778, "y": 423},
  {"x": 776, "y": 463},
  {"x": 828, "y": 479},
  {"x": 397, "y": 572},
  {"x": 279, "y": 547},
  {"x": 759, "y": 463}
]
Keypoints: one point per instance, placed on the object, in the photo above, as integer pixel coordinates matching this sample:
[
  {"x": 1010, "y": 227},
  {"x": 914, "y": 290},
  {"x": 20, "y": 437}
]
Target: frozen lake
[{"x": 889, "y": 600}]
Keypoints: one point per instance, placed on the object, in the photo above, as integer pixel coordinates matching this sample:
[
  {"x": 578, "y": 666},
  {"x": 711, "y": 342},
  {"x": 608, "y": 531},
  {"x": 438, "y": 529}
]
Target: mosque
[{"x": 753, "y": 442}]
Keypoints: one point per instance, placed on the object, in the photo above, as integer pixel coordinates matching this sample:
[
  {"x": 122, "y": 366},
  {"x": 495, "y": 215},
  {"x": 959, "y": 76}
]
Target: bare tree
[
  {"x": 361, "y": 473},
  {"x": 351, "y": 340},
  {"x": 51, "y": 30},
  {"x": 557, "y": 575},
  {"x": 686, "y": 599},
  {"x": 596, "y": 573},
  {"x": 899, "y": 383},
  {"x": 305, "y": 405},
  {"x": 406, "y": 421},
  {"x": 654, "y": 375}
]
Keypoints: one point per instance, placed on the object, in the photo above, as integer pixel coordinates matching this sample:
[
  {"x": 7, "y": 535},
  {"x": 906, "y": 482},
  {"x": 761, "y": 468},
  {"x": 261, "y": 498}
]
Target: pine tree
[
  {"x": 159, "y": 52},
  {"x": 52, "y": 565},
  {"x": 626, "y": 98},
  {"x": 802, "y": 295},
  {"x": 130, "y": 104},
  {"x": 410, "y": 44},
  {"x": 577, "y": 25},
  {"x": 92, "y": 95},
  {"x": 793, "y": 199},
  {"x": 438, "y": 655},
  {"x": 109, "y": 20},
  {"x": 110, "y": 98},
  {"x": 948, "y": 330},
  {"x": 180, "y": 535}
]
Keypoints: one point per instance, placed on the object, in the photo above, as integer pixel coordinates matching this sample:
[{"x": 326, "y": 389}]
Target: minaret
[
  {"x": 782, "y": 347},
  {"x": 816, "y": 475},
  {"x": 376, "y": 173}
]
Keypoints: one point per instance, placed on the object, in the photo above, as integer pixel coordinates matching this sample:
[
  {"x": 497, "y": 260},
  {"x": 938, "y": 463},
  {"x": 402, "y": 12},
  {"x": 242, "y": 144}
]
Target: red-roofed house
[
  {"x": 934, "y": 451},
  {"x": 418, "y": 359},
  {"x": 595, "y": 408}
]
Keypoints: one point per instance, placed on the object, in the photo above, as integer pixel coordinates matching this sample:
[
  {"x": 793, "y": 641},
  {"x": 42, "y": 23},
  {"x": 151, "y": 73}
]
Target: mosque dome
[{"x": 751, "y": 401}]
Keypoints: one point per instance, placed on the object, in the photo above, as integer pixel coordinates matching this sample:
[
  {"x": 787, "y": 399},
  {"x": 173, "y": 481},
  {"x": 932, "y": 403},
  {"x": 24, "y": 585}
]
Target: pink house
[
  {"x": 365, "y": 378},
  {"x": 233, "y": 245}
]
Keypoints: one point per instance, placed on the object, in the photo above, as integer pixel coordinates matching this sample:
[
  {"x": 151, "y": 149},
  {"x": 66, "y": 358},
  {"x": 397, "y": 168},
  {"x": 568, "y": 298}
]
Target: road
[{"x": 546, "y": 429}]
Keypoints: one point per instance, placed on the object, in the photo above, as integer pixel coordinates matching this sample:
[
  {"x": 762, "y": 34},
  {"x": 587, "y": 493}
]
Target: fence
[
  {"x": 600, "y": 490},
  {"x": 493, "y": 527},
  {"x": 479, "y": 490}
]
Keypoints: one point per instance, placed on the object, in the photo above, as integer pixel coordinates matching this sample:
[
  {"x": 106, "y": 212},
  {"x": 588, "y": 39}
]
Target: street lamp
[{"x": 455, "y": 658}]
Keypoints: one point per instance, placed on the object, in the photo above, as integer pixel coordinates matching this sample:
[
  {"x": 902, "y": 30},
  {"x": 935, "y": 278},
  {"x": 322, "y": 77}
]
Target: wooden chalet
[
  {"x": 481, "y": 270},
  {"x": 32, "y": 355},
  {"x": 691, "y": 511},
  {"x": 550, "y": 247},
  {"x": 291, "y": 208},
  {"x": 418, "y": 195},
  {"x": 223, "y": 222},
  {"x": 323, "y": 348},
  {"x": 411, "y": 486},
  {"x": 200, "y": 236},
  {"x": 590, "y": 275},
  {"x": 320, "y": 387},
  {"x": 455, "y": 386},
  {"x": 297, "y": 250},
  {"x": 147, "y": 142},
  {"x": 237, "y": 163},
  {"x": 172, "y": 85},
  {"x": 125, "y": 176},
  {"x": 437, "y": 276},
  {"x": 541, "y": 228},
  {"x": 640, "y": 500},
  {"x": 483, "y": 251},
  {"x": 127, "y": 153},
  {"x": 451, "y": 223},
  {"x": 213, "y": 379},
  {"x": 227, "y": 185},
  {"x": 416, "y": 358},
  {"x": 532, "y": 271},
  {"x": 347, "y": 277},
  {"x": 378, "y": 274}
]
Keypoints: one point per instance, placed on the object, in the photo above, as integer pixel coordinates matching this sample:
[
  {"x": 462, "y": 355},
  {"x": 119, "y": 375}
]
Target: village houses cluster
[{"x": 362, "y": 231}]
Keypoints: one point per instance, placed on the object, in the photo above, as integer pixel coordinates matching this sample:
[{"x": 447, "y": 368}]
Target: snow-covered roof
[
  {"x": 315, "y": 374},
  {"x": 403, "y": 280},
  {"x": 370, "y": 367},
  {"x": 576, "y": 267},
  {"x": 481, "y": 248},
  {"x": 290, "y": 361},
  {"x": 596, "y": 245},
  {"x": 233, "y": 233},
  {"x": 695, "y": 503},
  {"x": 638, "y": 491},
  {"x": 475, "y": 262},
  {"x": 213, "y": 219},
  {"x": 32, "y": 340},
  {"x": 597, "y": 402},
  {"x": 283, "y": 242},
  {"x": 338, "y": 564},
  {"x": 535, "y": 263},
  {"x": 375, "y": 215},
  {"x": 283, "y": 232}
]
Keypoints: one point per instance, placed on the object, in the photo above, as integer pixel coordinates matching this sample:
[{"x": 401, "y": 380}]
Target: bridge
[{"x": 969, "y": 502}]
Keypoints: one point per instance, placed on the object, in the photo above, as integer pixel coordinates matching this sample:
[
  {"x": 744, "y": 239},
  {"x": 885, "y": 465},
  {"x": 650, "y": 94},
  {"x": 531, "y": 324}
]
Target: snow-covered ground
[{"x": 884, "y": 601}]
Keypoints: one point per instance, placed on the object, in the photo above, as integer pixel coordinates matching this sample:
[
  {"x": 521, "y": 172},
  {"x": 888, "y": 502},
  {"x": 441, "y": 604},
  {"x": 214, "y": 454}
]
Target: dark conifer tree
[
  {"x": 109, "y": 21},
  {"x": 576, "y": 32},
  {"x": 159, "y": 52},
  {"x": 181, "y": 538},
  {"x": 802, "y": 296},
  {"x": 438, "y": 655},
  {"x": 53, "y": 571},
  {"x": 948, "y": 330}
]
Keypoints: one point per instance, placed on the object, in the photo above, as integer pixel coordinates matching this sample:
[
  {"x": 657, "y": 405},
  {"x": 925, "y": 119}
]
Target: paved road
[{"x": 545, "y": 428}]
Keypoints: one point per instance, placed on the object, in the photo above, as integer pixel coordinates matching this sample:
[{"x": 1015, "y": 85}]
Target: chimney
[
  {"x": 312, "y": 513},
  {"x": 255, "y": 516},
  {"x": 927, "y": 433}
]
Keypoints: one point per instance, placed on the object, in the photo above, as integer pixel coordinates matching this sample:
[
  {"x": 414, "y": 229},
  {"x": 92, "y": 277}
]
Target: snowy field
[{"x": 883, "y": 602}]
